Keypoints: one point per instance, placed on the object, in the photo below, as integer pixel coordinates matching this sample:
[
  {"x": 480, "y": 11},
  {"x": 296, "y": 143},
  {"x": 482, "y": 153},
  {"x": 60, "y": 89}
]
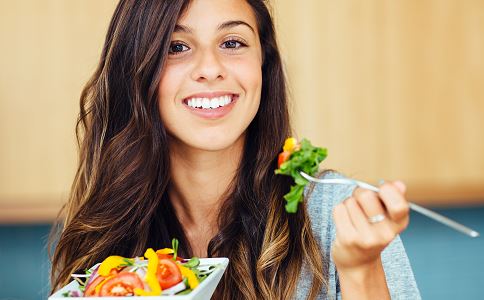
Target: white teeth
[
  {"x": 214, "y": 103},
  {"x": 205, "y": 103},
  {"x": 209, "y": 103}
]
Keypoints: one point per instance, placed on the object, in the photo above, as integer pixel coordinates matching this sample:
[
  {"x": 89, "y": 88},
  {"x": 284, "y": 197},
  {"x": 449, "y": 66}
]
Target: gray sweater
[{"x": 400, "y": 280}]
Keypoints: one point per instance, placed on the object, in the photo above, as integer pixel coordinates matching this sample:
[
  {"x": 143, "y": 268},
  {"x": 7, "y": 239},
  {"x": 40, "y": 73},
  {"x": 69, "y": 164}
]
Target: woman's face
[{"x": 211, "y": 83}]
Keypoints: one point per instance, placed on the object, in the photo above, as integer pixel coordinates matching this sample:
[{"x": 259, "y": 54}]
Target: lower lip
[{"x": 213, "y": 113}]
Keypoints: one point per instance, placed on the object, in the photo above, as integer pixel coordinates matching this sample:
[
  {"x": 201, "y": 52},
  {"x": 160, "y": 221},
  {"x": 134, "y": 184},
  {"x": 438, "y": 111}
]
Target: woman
[{"x": 179, "y": 130}]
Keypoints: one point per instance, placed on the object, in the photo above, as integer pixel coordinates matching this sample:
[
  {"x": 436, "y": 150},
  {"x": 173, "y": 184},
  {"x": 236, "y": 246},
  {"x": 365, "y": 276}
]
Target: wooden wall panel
[
  {"x": 49, "y": 49},
  {"x": 394, "y": 89}
]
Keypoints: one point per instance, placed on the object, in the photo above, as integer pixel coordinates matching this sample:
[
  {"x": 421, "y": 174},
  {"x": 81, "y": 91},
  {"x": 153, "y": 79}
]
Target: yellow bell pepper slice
[
  {"x": 190, "y": 275},
  {"x": 290, "y": 144},
  {"x": 165, "y": 251},
  {"x": 111, "y": 262},
  {"x": 150, "y": 276}
]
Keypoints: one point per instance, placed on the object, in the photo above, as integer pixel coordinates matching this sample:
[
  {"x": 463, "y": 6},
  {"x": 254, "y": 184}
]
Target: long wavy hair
[{"x": 119, "y": 202}]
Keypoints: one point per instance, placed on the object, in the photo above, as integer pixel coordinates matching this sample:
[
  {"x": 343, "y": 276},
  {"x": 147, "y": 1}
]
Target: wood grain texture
[
  {"x": 49, "y": 50},
  {"x": 394, "y": 89}
]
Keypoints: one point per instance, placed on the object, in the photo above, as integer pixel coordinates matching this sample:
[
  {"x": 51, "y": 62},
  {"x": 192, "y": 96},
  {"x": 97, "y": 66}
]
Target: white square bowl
[{"x": 202, "y": 292}]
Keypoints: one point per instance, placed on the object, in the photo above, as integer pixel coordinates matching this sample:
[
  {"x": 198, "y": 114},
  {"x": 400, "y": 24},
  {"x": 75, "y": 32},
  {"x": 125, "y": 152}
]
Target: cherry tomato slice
[
  {"x": 168, "y": 273},
  {"x": 283, "y": 156},
  {"x": 91, "y": 287},
  {"x": 122, "y": 284}
]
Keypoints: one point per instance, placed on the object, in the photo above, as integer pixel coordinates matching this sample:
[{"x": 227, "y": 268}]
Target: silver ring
[{"x": 376, "y": 218}]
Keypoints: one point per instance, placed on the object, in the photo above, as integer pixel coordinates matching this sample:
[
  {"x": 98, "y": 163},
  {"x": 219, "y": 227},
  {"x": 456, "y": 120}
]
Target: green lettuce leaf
[{"x": 307, "y": 160}]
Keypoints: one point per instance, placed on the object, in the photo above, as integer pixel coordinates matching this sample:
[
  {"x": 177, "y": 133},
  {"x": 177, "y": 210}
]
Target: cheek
[
  {"x": 169, "y": 89},
  {"x": 248, "y": 74},
  {"x": 170, "y": 82},
  {"x": 247, "y": 70},
  {"x": 165, "y": 93}
]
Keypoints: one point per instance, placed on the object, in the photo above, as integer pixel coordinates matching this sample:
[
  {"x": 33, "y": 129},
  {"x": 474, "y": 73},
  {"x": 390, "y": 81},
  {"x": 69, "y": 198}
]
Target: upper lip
[{"x": 209, "y": 95}]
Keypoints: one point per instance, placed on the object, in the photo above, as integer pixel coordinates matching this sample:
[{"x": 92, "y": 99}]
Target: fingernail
[
  {"x": 401, "y": 186},
  {"x": 381, "y": 182}
]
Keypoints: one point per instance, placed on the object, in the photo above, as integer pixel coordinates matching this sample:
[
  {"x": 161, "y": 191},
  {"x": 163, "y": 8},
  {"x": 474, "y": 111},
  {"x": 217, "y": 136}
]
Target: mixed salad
[
  {"x": 294, "y": 158},
  {"x": 159, "y": 272}
]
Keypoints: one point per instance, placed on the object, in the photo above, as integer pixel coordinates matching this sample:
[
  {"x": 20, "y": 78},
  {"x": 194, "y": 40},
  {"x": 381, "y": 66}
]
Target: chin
[
  {"x": 218, "y": 142},
  {"x": 212, "y": 140}
]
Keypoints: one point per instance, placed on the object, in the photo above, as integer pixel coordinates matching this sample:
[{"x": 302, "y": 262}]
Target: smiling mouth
[{"x": 210, "y": 103}]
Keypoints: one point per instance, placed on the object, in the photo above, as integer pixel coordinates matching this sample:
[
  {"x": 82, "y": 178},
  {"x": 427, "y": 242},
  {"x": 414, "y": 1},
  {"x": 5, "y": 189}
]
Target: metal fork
[{"x": 422, "y": 210}]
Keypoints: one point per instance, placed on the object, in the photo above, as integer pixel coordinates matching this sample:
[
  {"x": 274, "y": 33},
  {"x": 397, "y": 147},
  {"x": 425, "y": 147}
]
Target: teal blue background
[{"x": 447, "y": 265}]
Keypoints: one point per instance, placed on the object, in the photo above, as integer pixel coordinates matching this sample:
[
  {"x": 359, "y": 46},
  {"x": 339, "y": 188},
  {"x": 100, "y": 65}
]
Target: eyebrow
[
  {"x": 224, "y": 25},
  {"x": 230, "y": 24}
]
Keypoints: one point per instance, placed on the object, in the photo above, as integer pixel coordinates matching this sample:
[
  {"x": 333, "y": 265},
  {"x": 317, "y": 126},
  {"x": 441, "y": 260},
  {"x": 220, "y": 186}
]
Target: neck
[{"x": 199, "y": 182}]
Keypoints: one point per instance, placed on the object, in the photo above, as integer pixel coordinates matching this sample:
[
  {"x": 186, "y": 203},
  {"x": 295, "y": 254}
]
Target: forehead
[{"x": 203, "y": 15}]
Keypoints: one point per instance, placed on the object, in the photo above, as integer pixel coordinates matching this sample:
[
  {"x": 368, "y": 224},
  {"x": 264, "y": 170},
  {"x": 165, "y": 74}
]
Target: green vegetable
[
  {"x": 192, "y": 263},
  {"x": 306, "y": 159},
  {"x": 127, "y": 262},
  {"x": 174, "y": 245},
  {"x": 185, "y": 292}
]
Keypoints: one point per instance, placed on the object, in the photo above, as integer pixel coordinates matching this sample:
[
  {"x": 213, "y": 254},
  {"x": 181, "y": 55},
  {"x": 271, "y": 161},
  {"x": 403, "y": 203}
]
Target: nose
[{"x": 208, "y": 67}]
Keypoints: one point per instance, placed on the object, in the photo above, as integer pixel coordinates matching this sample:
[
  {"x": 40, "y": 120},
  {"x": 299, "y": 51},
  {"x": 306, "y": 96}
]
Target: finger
[
  {"x": 345, "y": 228},
  {"x": 357, "y": 216},
  {"x": 396, "y": 205},
  {"x": 369, "y": 202},
  {"x": 377, "y": 234},
  {"x": 401, "y": 186}
]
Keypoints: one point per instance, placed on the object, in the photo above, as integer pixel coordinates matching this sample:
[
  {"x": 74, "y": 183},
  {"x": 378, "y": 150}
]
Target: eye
[
  {"x": 233, "y": 44},
  {"x": 177, "y": 48}
]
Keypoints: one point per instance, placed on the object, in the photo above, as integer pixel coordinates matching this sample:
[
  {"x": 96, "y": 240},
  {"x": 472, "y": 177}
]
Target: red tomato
[
  {"x": 168, "y": 256},
  {"x": 168, "y": 273},
  {"x": 122, "y": 284},
  {"x": 91, "y": 287},
  {"x": 283, "y": 156}
]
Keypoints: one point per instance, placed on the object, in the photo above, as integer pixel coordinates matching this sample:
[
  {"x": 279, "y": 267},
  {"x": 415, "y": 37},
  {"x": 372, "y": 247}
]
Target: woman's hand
[{"x": 360, "y": 240}]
